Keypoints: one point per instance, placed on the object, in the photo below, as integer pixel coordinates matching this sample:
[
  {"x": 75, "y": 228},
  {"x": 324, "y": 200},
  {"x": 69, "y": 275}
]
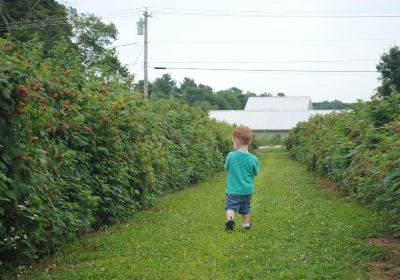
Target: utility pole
[
  {"x": 146, "y": 79},
  {"x": 142, "y": 29}
]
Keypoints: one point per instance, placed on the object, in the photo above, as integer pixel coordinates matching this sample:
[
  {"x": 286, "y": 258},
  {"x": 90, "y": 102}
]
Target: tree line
[{"x": 204, "y": 96}]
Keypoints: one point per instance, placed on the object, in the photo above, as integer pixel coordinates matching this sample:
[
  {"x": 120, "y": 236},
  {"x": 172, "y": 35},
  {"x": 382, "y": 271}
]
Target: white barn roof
[
  {"x": 279, "y": 103},
  {"x": 266, "y": 120}
]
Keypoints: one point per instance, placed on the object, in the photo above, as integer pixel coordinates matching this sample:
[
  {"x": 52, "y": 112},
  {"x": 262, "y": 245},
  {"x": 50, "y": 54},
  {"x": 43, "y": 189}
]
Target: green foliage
[
  {"x": 274, "y": 140},
  {"x": 199, "y": 94},
  {"x": 164, "y": 87},
  {"x": 196, "y": 94},
  {"x": 332, "y": 105},
  {"x": 266, "y": 94},
  {"x": 92, "y": 39},
  {"x": 46, "y": 19},
  {"x": 359, "y": 149},
  {"x": 92, "y": 36},
  {"x": 50, "y": 22},
  {"x": 79, "y": 152},
  {"x": 389, "y": 67}
]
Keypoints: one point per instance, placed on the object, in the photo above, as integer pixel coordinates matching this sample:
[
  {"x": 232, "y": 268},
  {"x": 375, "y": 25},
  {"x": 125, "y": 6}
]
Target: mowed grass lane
[{"x": 298, "y": 233}]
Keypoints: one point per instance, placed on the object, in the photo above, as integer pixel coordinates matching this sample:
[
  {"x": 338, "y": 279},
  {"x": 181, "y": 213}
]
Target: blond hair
[{"x": 243, "y": 134}]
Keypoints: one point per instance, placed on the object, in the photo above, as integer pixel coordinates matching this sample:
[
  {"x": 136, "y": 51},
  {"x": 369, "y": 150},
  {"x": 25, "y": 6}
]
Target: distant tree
[
  {"x": 91, "y": 36},
  {"x": 266, "y": 94},
  {"x": 332, "y": 105},
  {"x": 250, "y": 94},
  {"x": 230, "y": 99},
  {"x": 246, "y": 97},
  {"x": 199, "y": 95},
  {"x": 110, "y": 67},
  {"x": 207, "y": 94},
  {"x": 22, "y": 19},
  {"x": 138, "y": 87},
  {"x": 221, "y": 102},
  {"x": 280, "y": 94},
  {"x": 51, "y": 22},
  {"x": 164, "y": 87},
  {"x": 92, "y": 39},
  {"x": 238, "y": 93},
  {"x": 389, "y": 67},
  {"x": 190, "y": 92}
]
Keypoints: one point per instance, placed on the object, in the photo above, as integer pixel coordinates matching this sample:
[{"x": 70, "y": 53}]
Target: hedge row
[
  {"x": 358, "y": 149},
  {"x": 77, "y": 153}
]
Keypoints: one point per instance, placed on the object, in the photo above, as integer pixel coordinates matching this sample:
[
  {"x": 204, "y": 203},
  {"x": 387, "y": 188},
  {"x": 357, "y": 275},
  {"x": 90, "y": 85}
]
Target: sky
[{"x": 307, "y": 35}]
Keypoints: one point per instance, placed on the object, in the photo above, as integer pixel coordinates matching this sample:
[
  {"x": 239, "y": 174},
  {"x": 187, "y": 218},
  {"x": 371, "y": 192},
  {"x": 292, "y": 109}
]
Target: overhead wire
[
  {"x": 270, "y": 41},
  {"x": 165, "y": 11},
  {"x": 101, "y": 14},
  {"x": 55, "y": 21},
  {"x": 267, "y": 61},
  {"x": 264, "y": 70},
  {"x": 137, "y": 58},
  {"x": 45, "y": 23},
  {"x": 127, "y": 44},
  {"x": 204, "y": 12},
  {"x": 276, "y": 12},
  {"x": 275, "y": 15}
]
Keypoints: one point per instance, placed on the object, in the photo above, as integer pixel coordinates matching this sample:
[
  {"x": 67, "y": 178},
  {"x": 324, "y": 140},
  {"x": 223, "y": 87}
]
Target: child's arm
[
  {"x": 226, "y": 165},
  {"x": 256, "y": 169}
]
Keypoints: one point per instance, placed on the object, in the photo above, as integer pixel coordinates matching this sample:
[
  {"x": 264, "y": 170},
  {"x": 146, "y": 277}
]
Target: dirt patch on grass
[
  {"x": 386, "y": 270},
  {"x": 330, "y": 187}
]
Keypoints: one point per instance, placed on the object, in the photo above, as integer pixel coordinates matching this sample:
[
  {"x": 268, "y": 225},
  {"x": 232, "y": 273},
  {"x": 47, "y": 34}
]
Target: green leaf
[
  {"x": 6, "y": 159},
  {"x": 11, "y": 195}
]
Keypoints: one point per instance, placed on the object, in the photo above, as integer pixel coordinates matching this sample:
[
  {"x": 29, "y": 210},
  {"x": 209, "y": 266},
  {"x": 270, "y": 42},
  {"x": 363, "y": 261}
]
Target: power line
[
  {"x": 171, "y": 11},
  {"x": 137, "y": 58},
  {"x": 128, "y": 44},
  {"x": 214, "y": 12},
  {"x": 121, "y": 11},
  {"x": 277, "y": 15},
  {"x": 46, "y": 23},
  {"x": 268, "y": 61},
  {"x": 54, "y": 21},
  {"x": 264, "y": 70},
  {"x": 273, "y": 12},
  {"x": 127, "y": 13},
  {"x": 270, "y": 41},
  {"x": 263, "y": 41},
  {"x": 30, "y": 21},
  {"x": 134, "y": 11},
  {"x": 39, "y": 24}
]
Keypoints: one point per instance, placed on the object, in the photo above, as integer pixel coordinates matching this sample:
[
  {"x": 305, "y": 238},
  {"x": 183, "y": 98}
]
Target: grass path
[{"x": 298, "y": 233}]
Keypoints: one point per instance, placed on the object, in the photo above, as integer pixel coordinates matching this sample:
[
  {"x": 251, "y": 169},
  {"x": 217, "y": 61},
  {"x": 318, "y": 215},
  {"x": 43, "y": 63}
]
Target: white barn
[
  {"x": 278, "y": 103},
  {"x": 268, "y": 116}
]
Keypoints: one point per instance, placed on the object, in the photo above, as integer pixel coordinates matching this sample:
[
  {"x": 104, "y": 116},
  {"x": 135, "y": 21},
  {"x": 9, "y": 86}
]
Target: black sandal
[{"x": 230, "y": 225}]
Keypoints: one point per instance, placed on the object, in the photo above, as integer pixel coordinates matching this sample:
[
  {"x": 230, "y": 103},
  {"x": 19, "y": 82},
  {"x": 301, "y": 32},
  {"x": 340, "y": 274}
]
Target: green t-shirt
[{"x": 241, "y": 167}]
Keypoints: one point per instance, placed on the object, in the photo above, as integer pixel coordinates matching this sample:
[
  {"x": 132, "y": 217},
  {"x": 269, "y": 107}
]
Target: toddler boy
[{"x": 242, "y": 166}]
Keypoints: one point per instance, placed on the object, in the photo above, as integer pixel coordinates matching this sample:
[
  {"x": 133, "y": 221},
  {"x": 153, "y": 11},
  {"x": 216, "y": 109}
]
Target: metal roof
[
  {"x": 279, "y": 103},
  {"x": 266, "y": 120}
]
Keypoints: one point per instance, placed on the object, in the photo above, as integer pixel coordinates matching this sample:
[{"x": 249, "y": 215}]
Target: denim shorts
[{"x": 238, "y": 203}]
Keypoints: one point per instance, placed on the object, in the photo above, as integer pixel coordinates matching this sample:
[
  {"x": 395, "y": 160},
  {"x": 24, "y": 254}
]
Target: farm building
[
  {"x": 269, "y": 116},
  {"x": 278, "y": 103}
]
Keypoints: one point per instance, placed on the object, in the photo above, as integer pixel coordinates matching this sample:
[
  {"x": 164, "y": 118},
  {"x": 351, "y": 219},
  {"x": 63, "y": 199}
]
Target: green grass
[{"x": 298, "y": 233}]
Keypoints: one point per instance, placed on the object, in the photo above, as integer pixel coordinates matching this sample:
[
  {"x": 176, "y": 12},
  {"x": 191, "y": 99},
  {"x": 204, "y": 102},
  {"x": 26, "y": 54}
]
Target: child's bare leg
[
  {"x": 230, "y": 215},
  {"x": 246, "y": 219}
]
